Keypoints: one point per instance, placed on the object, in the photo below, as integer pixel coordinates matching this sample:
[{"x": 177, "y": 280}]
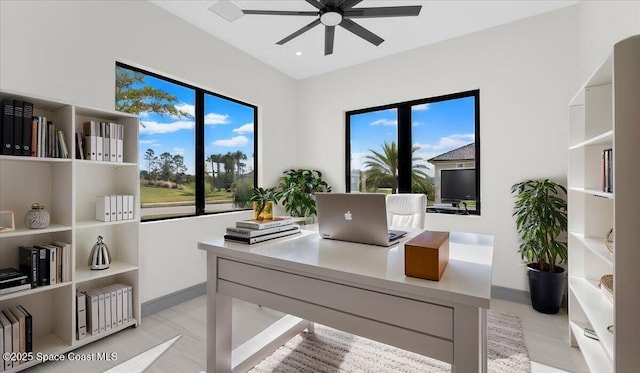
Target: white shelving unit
[
  {"x": 67, "y": 188},
  {"x": 605, "y": 114}
]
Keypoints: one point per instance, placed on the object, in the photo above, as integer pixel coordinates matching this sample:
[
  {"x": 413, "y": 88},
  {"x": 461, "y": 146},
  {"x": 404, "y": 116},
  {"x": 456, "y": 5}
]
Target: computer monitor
[{"x": 458, "y": 185}]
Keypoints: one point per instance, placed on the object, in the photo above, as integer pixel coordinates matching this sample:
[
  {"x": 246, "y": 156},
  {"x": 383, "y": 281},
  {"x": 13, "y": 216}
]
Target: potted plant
[
  {"x": 263, "y": 203},
  {"x": 541, "y": 221},
  {"x": 296, "y": 190}
]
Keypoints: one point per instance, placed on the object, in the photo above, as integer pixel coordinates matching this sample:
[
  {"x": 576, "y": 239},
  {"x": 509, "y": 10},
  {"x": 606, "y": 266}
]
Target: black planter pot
[{"x": 546, "y": 288}]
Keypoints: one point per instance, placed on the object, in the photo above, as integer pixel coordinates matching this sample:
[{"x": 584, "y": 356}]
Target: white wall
[
  {"x": 602, "y": 24},
  {"x": 66, "y": 50},
  {"x": 526, "y": 75}
]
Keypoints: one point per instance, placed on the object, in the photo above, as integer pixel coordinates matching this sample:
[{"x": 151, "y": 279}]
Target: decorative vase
[
  {"x": 266, "y": 213},
  {"x": 37, "y": 217},
  {"x": 99, "y": 257}
]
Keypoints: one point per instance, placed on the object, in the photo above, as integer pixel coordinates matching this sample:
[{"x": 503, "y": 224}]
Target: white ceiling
[{"x": 439, "y": 20}]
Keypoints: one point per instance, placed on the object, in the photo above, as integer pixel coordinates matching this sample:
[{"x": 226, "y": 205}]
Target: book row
[
  {"x": 114, "y": 208},
  {"x": 46, "y": 264},
  {"x": 101, "y": 309},
  {"x": 606, "y": 171},
  {"x": 24, "y": 134},
  {"x": 254, "y": 231},
  {"x": 16, "y": 336},
  {"x": 101, "y": 141}
]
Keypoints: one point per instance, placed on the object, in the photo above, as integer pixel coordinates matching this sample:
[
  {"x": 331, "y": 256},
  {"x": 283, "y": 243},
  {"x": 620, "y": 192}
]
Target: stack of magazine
[{"x": 254, "y": 231}]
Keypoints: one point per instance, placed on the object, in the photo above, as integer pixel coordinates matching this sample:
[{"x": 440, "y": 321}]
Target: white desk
[{"x": 360, "y": 289}]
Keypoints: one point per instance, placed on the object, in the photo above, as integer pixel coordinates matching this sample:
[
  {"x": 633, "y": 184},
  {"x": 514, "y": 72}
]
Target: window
[
  {"x": 197, "y": 148},
  {"x": 428, "y": 146}
]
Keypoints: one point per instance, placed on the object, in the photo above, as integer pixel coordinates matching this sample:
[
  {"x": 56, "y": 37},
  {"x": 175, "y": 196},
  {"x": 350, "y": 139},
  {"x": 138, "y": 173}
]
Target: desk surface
[{"x": 466, "y": 280}]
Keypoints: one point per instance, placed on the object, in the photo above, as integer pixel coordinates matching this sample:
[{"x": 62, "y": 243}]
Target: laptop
[{"x": 355, "y": 217}]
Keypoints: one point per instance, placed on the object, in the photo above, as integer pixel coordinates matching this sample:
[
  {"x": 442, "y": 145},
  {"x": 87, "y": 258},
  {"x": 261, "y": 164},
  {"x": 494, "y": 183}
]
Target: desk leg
[
  {"x": 470, "y": 340},
  {"x": 218, "y": 322}
]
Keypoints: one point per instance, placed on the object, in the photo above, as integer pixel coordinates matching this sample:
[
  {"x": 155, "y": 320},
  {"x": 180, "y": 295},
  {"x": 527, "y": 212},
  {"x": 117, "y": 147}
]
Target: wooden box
[{"x": 426, "y": 255}]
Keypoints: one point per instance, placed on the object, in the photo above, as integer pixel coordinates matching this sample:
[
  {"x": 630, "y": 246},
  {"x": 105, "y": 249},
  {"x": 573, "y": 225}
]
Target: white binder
[
  {"x": 119, "y": 205},
  {"x": 103, "y": 208}
]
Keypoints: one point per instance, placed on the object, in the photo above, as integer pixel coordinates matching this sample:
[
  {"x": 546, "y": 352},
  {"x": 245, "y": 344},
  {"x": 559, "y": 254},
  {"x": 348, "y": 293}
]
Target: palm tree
[
  {"x": 238, "y": 157},
  {"x": 215, "y": 174},
  {"x": 383, "y": 167}
]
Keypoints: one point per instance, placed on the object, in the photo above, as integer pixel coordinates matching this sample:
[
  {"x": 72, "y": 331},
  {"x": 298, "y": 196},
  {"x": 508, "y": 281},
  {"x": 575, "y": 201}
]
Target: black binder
[
  {"x": 27, "y": 120},
  {"x": 17, "y": 127},
  {"x": 7, "y": 126}
]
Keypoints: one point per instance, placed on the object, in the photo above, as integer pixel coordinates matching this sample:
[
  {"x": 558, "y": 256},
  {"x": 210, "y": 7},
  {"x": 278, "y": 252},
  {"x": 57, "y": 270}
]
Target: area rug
[{"x": 332, "y": 351}]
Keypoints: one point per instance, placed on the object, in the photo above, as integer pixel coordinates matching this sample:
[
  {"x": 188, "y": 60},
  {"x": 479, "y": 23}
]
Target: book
[
  {"x": 11, "y": 277},
  {"x": 28, "y": 258},
  {"x": 263, "y": 224},
  {"x": 27, "y": 119},
  {"x": 79, "y": 146},
  {"x": 9, "y": 273},
  {"x": 17, "y": 127},
  {"x": 7, "y": 126},
  {"x": 266, "y": 237},
  {"x": 15, "y": 333},
  {"x": 34, "y": 137},
  {"x": 28, "y": 326},
  {"x": 249, "y": 233},
  {"x": 23, "y": 336},
  {"x": 81, "y": 315},
  {"x": 15, "y": 288},
  {"x": 64, "y": 274},
  {"x": 7, "y": 335}
]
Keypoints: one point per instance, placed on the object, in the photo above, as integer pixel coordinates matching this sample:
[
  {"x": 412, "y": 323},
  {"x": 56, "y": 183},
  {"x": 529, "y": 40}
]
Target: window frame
[
  {"x": 200, "y": 174},
  {"x": 404, "y": 135}
]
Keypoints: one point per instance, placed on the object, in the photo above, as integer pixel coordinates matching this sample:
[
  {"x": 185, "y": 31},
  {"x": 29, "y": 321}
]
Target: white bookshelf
[
  {"x": 67, "y": 188},
  {"x": 604, "y": 115}
]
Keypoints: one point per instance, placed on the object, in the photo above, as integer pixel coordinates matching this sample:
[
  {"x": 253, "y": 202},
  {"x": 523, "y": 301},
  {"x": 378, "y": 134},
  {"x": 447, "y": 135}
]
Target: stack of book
[
  {"x": 13, "y": 280},
  {"x": 254, "y": 231},
  {"x": 46, "y": 264},
  {"x": 16, "y": 336},
  {"x": 101, "y": 309}
]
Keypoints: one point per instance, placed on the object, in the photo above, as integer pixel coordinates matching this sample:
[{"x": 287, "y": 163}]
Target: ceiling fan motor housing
[{"x": 330, "y": 16}]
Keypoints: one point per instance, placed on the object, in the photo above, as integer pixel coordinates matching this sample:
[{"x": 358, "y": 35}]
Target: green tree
[
  {"x": 238, "y": 157},
  {"x": 382, "y": 167},
  {"x": 166, "y": 166},
  {"x": 151, "y": 159},
  {"x": 179, "y": 168},
  {"x": 133, "y": 96},
  {"x": 229, "y": 164}
]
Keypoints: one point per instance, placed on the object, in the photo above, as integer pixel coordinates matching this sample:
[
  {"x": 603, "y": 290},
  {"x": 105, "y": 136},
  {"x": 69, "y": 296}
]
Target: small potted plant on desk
[
  {"x": 541, "y": 220},
  {"x": 296, "y": 190},
  {"x": 263, "y": 200}
]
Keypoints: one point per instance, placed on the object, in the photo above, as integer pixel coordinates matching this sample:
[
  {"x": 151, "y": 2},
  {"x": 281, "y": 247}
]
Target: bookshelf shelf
[
  {"x": 32, "y": 291},
  {"x": 603, "y": 115},
  {"x": 68, "y": 188},
  {"x": 84, "y": 274}
]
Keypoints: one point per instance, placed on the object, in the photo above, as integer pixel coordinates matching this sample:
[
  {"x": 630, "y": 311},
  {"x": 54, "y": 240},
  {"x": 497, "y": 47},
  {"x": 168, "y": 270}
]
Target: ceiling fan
[{"x": 332, "y": 13}]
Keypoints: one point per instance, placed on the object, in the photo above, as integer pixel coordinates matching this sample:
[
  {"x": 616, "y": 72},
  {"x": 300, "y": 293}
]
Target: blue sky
[
  {"x": 228, "y": 127},
  {"x": 436, "y": 128}
]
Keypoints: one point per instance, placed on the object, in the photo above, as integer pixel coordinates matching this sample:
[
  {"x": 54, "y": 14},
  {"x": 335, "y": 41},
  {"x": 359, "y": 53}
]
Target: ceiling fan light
[{"x": 331, "y": 18}]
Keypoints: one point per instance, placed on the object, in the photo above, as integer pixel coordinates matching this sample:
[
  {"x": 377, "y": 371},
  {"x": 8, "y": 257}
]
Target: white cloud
[
  {"x": 384, "y": 122},
  {"x": 190, "y": 109},
  {"x": 421, "y": 107},
  {"x": 178, "y": 151},
  {"x": 155, "y": 127},
  {"x": 144, "y": 142},
  {"x": 245, "y": 128},
  {"x": 215, "y": 118},
  {"x": 235, "y": 141},
  {"x": 450, "y": 142}
]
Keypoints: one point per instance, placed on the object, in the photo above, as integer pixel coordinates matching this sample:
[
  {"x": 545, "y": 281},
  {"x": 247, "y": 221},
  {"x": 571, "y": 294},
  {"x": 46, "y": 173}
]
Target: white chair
[{"x": 406, "y": 210}]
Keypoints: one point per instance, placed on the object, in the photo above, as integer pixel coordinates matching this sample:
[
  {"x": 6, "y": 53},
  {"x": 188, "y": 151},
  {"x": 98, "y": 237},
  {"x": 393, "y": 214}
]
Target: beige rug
[{"x": 331, "y": 351}]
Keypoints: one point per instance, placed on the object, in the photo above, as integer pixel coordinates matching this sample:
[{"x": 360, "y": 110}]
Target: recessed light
[{"x": 298, "y": 53}]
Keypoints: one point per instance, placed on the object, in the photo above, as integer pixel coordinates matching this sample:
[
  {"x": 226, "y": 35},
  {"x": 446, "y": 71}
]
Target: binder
[
  {"x": 119, "y": 203},
  {"x": 7, "y": 126},
  {"x": 103, "y": 208},
  {"x": 17, "y": 127},
  {"x": 114, "y": 305},
  {"x": 120, "y": 143},
  {"x": 92, "y": 313},
  {"x": 131, "y": 207},
  {"x": 114, "y": 207},
  {"x": 28, "y": 258},
  {"x": 107, "y": 308},
  {"x": 43, "y": 265},
  {"x": 27, "y": 119},
  {"x": 113, "y": 142},
  {"x": 106, "y": 141},
  {"x": 125, "y": 303},
  {"x": 125, "y": 207},
  {"x": 7, "y": 339},
  {"x": 34, "y": 137},
  {"x": 119, "y": 304},
  {"x": 81, "y": 315},
  {"x": 52, "y": 265}
]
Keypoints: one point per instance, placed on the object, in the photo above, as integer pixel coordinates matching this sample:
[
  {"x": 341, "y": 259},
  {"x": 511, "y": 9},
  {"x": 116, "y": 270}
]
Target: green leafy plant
[
  {"x": 261, "y": 196},
  {"x": 541, "y": 218},
  {"x": 296, "y": 190}
]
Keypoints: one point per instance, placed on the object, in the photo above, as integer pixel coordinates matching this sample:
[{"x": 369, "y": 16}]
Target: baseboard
[{"x": 175, "y": 298}]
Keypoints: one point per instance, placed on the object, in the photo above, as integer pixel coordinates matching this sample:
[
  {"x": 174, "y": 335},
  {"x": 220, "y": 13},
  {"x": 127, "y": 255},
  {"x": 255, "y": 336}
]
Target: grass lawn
[{"x": 154, "y": 195}]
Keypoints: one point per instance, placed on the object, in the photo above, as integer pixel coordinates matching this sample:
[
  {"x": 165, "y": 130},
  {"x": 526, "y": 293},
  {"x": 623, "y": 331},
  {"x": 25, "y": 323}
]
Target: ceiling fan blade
[
  {"x": 390, "y": 11},
  {"x": 346, "y": 4},
  {"x": 361, "y": 31},
  {"x": 304, "y": 29},
  {"x": 329, "y": 34},
  {"x": 331, "y": 3},
  {"x": 280, "y": 12},
  {"x": 315, "y": 3}
]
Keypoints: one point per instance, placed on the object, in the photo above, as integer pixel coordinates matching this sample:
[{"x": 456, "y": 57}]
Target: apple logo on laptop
[{"x": 348, "y": 216}]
